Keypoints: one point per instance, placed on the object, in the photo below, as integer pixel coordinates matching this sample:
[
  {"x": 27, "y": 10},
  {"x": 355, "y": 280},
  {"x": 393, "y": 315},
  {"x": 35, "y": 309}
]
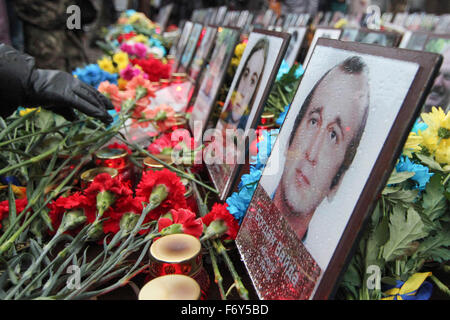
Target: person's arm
[{"x": 21, "y": 84}]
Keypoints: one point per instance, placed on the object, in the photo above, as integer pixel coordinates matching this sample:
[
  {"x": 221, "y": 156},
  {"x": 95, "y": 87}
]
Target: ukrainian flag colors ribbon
[
  {"x": 20, "y": 192},
  {"x": 415, "y": 288}
]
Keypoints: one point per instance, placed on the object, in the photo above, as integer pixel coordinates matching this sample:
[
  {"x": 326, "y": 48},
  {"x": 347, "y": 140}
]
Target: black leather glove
[{"x": 21, "y": 84}]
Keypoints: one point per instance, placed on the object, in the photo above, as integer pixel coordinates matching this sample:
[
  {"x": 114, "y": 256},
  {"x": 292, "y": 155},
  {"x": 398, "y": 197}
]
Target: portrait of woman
[{"x": 236, "y": 112}]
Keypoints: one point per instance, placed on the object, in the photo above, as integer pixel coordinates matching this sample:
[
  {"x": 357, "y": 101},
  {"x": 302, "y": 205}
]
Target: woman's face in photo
[{"x": 246, "y": 87}]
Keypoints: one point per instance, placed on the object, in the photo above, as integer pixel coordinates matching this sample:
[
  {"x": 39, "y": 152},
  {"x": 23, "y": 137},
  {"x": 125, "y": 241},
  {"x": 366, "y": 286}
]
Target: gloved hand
[{"x": 21, "y": 84}]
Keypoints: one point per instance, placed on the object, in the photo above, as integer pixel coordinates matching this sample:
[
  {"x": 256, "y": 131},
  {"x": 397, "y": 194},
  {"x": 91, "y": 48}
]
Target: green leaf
[
  {"x": 407, "y": 196},
  {"x": 398, "y": 177},
  {"x": 44, "y": 119},
  {"x": 435, "y": 247},
  {"x": 389, "y": 190},
  {"x": 434, "y": 202},
  {"x": 402, "y": 232},
  {"x": 429, "y": 162}
]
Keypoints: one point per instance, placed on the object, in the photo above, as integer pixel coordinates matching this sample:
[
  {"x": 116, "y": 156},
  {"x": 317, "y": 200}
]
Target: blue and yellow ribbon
[{"x": 415, "y": 288}]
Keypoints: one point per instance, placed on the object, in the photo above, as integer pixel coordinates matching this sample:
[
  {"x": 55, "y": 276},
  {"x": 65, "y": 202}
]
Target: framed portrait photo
[
  {"x": 221, "y": 12},
  {"x": 250, "y": 88},
  {"x": 214, "y": 74},
  {"x": 163, "y": 16},
  {"x": 382, "y": 38},
  {"x": 202, "y": 53},
  {"x": 297, "y": 38},
  {"x": 335, "y": 151},
  {"x": 191, "y": 46},
  {"x": 414, "y": 40},
  {"x": 440, "y": 92},
  {"x": 181, "y": 44},
  {"x": 329, "y": 33},
  {"x": 349, "y": 34}
]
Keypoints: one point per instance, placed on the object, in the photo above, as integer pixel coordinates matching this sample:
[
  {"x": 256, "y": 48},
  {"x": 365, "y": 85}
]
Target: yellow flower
[
  {"x": 412, "y": 145},
  {"x": 235, "y": 62},
  {"x": 140, "y": 38},
  {"x": 137, "y": 17},
  {"x": 107, "y": 65},
  {"x": 239, "y": 50},
  {"x": 27, "y": 111},
  {"x": 122, "y": 83},
  {"x": 121, "y": 59},
  {"x": 341, "y": 23},
  {"x": 442, "y": 153},
  {"x": 430, "y": 139},
  {"x": 436, "y": 119}
]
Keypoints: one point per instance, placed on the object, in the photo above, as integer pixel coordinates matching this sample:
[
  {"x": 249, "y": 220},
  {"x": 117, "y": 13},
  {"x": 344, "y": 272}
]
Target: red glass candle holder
[
  {"x": 117, "y": 159},
  {"x": 178, "y": 254},
  {"x": 171, "y": 287},
  {"x": 153, "y": 165}
]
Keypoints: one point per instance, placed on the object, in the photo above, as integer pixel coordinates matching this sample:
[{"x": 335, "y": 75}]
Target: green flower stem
[
  {"x": 27, "y": 275},
  {"x": 168, "y": 166},
  {"x": 31, "y": 135},
  {"x": 243, "y": 293},
  {"x": 114, "y": 259},
  {"x": 31, "y": 160},
  {"x": 283, "y": 98},
  {"x": 15, "y": 124},
  {"x": 440, "y": 285},
  {"x": 218, "y": 279}
]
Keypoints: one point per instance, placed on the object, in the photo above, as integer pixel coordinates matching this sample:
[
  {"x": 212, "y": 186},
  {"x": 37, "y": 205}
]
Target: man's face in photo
[
  {"x": 440, "y": 93},
  {"x": 319, "y": 146}
]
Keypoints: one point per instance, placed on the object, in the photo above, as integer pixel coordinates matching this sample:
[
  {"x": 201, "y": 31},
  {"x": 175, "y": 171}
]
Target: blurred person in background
[
  {"x": 4, "y": 24},
  {"x": 46, "y": 36}
]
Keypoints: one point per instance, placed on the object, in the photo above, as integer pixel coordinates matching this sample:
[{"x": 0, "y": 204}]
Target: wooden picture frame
[
  {"x": 190, "y": 48},
  {"x": 320, "y": 32},
  {"x": 281, "y": 263},
  {"x": 382, "y": 38},
  {"x": 213, "y": 78},
  {"x": 298, "y": 35},
  {"x": 181, "y": 44},
  {"x": 223, "y": 175}
]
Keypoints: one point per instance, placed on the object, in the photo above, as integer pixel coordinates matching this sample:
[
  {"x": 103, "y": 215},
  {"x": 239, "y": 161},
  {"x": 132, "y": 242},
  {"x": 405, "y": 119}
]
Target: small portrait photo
[
  {"x": 191, "y": 46},
  {"x": 413, "y": 40},
  {"x": 349, "y": 34},
  {"x": 328, "y": 33},
  {"x": 226, "y": 41},
  {"x": 440, "y": 92},
  {"x": 203, "y": 52},
  {"x": 297, "y": 37},
  {"x": 181, "y": 44},
  {"x": 378, "y": 37}
]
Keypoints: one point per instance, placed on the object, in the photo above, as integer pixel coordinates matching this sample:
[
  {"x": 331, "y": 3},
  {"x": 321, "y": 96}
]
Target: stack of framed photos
[{"x": 339, "y": 142}]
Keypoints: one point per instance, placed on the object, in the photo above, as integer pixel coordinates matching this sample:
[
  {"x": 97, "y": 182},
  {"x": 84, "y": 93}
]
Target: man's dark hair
[{"x": 352, "y": 65}]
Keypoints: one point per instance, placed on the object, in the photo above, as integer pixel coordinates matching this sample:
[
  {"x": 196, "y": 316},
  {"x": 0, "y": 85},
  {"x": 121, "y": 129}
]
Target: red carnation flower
[
  {"x": 72, "y": 202},
  {"x": 4, "y": 208},
  {"x": 126, "y": 36},
  {"x": 181, "y": 220},
  {"x": 104, "y": 182},
  {"x": 220, "y": 213},
  {"x": 175, "y": 191},
  {"x": 161, "y": 143}
]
